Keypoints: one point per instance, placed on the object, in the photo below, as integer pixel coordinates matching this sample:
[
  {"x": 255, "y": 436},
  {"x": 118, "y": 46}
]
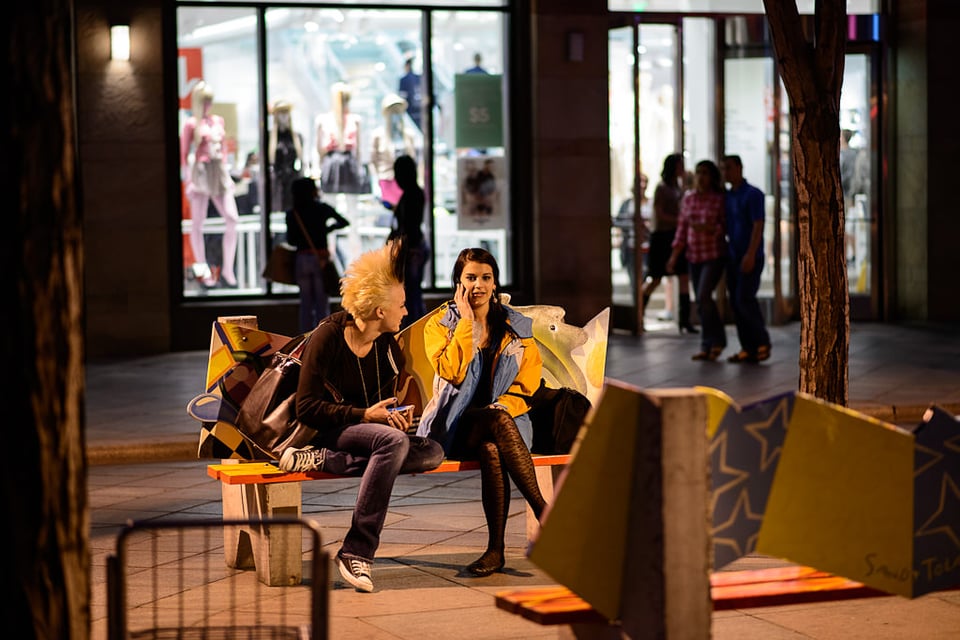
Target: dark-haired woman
[
  {"x": 486, "y": 367},
  {"x": 308, "y": 234},
  {"x": 701, "y": 233},
  {"x": 666, "y": 213},
  {"x": 408, "y": 214}
]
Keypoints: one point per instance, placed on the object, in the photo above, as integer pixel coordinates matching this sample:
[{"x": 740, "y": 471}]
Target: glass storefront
[
  {"x": 221, "y": 185},
  {"x": 272, "y": 92},
  {"x": 337, "y": 94},
  {"x": 648, "y": 115},
  {"x": 732, "y": 101}
]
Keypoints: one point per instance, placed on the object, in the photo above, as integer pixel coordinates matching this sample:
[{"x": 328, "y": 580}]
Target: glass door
[
  {"x": 754, "y": 94},
  {"x": 859, "y": 124},
  {"x": 757, "y": 128},
  {"x": 645, "y": 108}
]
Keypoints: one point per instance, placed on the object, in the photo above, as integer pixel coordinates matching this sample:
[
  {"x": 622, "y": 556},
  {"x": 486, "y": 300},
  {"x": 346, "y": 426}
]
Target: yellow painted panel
[{"x": 842, "y": 497}]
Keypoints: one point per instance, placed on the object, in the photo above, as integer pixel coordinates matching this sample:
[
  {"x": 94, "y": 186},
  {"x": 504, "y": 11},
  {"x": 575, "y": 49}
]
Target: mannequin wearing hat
[
  {"x": 285, "y": 154},
  {"x": 205, "y": 173},
  {"x": 389, "y": 141}
]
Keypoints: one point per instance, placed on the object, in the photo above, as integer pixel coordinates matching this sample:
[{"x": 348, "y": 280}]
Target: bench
[
  {"x": 254, "y": 490},
  {"x": 773, "y": 586}
]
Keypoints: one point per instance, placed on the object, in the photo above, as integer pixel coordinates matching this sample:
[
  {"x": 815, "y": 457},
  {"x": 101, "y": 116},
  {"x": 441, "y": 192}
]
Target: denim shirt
[{"x": 441, "y": 415}]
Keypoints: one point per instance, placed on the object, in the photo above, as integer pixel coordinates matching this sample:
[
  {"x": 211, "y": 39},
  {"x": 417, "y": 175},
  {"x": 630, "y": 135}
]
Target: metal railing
[{"x": 168, "y": 580}]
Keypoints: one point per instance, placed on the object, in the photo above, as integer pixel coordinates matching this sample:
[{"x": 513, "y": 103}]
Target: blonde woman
[{"x": 348, "y": 383}]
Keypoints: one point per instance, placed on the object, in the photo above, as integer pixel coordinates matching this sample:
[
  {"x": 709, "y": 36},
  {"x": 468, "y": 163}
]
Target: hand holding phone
[
  {"x": 463, "y": 301},
  {"x": 402, "y": 416}
]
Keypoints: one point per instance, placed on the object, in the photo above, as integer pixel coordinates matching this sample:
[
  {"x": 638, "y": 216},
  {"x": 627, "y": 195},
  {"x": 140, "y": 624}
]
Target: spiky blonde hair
[{"x": 366, "y": 283}]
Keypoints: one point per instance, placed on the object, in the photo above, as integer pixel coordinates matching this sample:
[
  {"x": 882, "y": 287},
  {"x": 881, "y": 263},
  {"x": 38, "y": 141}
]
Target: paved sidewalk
[{"x": 141, "y": 445}]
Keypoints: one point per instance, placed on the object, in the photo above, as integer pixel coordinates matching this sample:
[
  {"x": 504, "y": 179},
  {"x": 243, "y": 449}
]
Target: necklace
[{"x": 363, "y": 382}]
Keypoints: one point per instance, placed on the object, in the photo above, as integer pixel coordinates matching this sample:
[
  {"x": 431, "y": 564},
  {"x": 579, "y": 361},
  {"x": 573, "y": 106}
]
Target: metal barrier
[{"x": 168, "y": 581}]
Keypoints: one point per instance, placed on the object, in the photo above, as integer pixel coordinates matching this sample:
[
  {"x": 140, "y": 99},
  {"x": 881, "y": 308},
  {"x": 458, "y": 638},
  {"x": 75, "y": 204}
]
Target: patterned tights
[{"x": 503, "y": 456}]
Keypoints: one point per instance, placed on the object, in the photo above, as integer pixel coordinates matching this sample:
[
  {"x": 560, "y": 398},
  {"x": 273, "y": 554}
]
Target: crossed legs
[{"x": 503, "y": 456}]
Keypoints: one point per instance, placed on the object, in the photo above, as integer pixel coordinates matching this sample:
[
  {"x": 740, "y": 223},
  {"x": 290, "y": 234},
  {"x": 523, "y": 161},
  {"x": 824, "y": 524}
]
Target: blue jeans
[
  {"x": 314, "y": 301},
  {"x": 705, "y": 277},
  {"x": 382, "y": 453},
  {"x": 742, "y": 289}
]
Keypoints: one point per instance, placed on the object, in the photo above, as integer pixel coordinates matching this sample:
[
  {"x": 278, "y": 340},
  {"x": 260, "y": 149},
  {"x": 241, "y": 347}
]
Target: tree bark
[
  {"x": 44, "y": 477},
  {"x": 813, "y": 75}
]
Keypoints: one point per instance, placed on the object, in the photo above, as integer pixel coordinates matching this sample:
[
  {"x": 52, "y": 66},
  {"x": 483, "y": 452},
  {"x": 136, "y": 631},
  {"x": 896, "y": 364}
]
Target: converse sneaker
[
  {"x": 309, "y": 458},
  {"x": 356, "y": 572}
]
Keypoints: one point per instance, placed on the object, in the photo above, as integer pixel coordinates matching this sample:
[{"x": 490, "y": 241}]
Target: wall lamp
[{"x": 120, "y": 42}]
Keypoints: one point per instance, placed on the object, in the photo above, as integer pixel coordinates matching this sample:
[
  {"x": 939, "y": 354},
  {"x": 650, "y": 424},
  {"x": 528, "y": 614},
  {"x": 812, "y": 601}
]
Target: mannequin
[
  {"x": 338, "y": 144},
  {"x": 285, "y": 154},
  {"x": 409, "y": 89},
  {"x": 204, "y": 170},
  {"x": 388, "y": 142}
]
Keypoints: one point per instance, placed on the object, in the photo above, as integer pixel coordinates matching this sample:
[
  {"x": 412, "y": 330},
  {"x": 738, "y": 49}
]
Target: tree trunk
[
  {"x": 813, "y": 75},
  {"x": 46, "y": 527}
]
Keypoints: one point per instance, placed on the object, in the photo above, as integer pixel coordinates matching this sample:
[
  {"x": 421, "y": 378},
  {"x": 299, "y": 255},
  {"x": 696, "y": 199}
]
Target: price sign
[{"x": 479, "y": 107}]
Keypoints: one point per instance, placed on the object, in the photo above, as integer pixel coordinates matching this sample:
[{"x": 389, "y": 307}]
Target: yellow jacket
[{"x": 452, "y": 349}]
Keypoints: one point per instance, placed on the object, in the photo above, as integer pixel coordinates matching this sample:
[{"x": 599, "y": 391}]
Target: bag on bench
[
  {"x": 267, "y": 417},
  {"x": 557, "y": 415}
]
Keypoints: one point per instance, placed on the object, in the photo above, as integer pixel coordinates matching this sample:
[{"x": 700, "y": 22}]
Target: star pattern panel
[{"x": 936, "y": 504}]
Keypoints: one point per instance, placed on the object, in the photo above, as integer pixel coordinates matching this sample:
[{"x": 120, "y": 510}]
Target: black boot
[{"x": 683, "y": 317}]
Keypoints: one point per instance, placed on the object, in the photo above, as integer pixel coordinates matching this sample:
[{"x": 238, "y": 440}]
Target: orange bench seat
[
  {"x": 268, "y": 472},
  {"x": 729, "y": 590}
]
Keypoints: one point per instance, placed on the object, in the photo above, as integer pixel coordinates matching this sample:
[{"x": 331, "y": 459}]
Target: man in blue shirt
[
  {"x": 744, "y": 213},
  {"x": 477, "y": 65}
]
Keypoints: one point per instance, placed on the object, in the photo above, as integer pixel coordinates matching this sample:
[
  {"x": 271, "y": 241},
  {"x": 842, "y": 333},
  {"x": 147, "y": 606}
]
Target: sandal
[
  {"x": 763, "y": 353},
  {"x": 743, "y": 356},
  {"x": 708, "y": 356}
]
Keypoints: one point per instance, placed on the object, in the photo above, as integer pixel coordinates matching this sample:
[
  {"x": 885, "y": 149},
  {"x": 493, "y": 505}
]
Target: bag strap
[
  {"x": 302, "y": 345},
  {"x": 306, "y": 234}
]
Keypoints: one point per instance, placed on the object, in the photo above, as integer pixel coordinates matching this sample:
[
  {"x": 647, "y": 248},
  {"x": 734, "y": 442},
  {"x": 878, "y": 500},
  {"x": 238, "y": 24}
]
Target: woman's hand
[
  {"x": 463, "y": 302},
  {"x": 380, "y": 413}
]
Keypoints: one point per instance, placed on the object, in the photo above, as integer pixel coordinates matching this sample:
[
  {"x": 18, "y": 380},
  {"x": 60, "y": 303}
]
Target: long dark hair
[
  {"x": 497, "y": 316},
  {"x": 304, "y": 192},
  {"x": 670, "y": 164},
  {"x": 716, "y": 180},
  {"x": 405, "y": 172}
]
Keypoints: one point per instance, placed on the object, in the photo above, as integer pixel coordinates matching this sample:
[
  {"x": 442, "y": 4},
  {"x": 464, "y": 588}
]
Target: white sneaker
[
  {"x": 309, "y": 458},
  {"x": 356, "y": 572}
]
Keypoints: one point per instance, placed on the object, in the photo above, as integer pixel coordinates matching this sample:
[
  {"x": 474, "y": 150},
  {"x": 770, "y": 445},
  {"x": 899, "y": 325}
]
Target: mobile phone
[{"x": 405, "y": 407}]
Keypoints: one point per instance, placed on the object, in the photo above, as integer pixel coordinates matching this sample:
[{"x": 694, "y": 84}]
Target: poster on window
[
  {"x": 479, "y": 110},
  {"x": 481, "y": 192},
  {"x": 190, "y": 65}
]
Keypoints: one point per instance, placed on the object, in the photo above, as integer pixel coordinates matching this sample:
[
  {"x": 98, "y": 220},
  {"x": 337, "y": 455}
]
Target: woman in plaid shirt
[{"x": 700, "y": 231}]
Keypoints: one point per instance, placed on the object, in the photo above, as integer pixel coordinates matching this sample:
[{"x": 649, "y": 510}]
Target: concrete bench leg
[
  {"x": 275, "y": 551},
  {"x": 546, "y": 478}
]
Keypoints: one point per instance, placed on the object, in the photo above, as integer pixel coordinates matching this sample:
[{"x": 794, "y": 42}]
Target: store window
[
  {"x": 221, "y": 190},
  {"x": 857, "y": 119},
  {"x": 748, "y": 117},
  {"x": 346, "y": 93},
  {"x": 340, "y": 112},
  {"x": 471, "y": 166},
  {"x": 730, "y": 6}
]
